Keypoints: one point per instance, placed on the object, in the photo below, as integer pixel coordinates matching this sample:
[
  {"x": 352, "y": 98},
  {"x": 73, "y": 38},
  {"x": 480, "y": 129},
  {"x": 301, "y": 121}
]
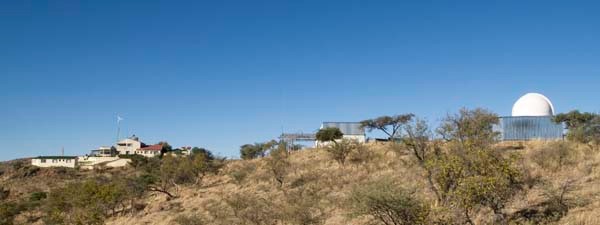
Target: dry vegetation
[
  {"x": 466, "y": 177},
  {"x": 316, "y": 190},
  {"x": 562, "y": 187}
]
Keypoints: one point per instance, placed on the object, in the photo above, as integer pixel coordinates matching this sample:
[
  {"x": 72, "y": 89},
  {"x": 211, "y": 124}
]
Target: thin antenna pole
[{"x": 118, "y": 127}]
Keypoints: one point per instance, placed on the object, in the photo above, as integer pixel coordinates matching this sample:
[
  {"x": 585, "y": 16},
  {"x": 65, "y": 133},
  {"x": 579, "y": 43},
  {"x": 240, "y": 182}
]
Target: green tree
[
  {"x": 329, "y": 134},
  {"x": 256, "y": 150},
  {"x": 208, "y": 154},
  {"x": 339, "y": 150},
  {"x": 166, "y": 147},
  {"x": 205, "y": 162},
  {"x": 574, "y": 118},
  {"x": 252, "y": 151},
  {"x": 471, "y": 128},
  {"x": 390, "y": 125},
  {"x": 582, "y": 127},
  {"x": 471, "y": 173},
  {"x": 87, "y": 202}
]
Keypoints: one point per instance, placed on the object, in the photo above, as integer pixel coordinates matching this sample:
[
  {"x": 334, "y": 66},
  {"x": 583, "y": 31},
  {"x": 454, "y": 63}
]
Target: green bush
[
  {"x": 37, "y": 196},
  {"x": 256, "y": 150},
  {"x": 386, "y": 203},
  {"x": 8, "y": 211},
  {"x": 87, "y": 202}
]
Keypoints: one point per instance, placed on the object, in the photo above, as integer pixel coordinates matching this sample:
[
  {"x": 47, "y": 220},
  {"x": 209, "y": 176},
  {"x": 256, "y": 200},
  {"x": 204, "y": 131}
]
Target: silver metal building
[{"x": 518, "y": 128}]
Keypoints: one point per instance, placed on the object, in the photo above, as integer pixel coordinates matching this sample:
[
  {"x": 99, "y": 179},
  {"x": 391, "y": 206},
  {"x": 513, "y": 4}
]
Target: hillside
[{"x": 314, "y": 189}]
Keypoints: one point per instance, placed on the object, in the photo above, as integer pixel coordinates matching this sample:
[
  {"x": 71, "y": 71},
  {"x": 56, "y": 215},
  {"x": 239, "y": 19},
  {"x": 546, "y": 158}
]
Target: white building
[
  {"x": 532, "y": 119},
  {"x": 149, "y": 151},
  {"x": 55, "y": 161},
  {"x": 104, "y": 151},
  {"x": 351, "y": 130},
  {"x": 129, "y": 146}
]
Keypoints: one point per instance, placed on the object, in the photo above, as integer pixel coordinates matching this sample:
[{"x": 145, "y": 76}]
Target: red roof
[{"x": 157, "y": 147}]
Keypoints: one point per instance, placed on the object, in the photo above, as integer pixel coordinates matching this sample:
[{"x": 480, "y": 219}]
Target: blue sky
[{"x": 221, "y": 74}]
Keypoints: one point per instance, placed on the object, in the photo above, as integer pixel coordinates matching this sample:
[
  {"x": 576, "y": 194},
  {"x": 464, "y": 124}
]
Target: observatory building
[{"x": 531, "y": 119}]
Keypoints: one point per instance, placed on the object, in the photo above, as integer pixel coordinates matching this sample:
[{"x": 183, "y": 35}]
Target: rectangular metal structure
[
  {"x": 347, "y": 128},
  {"x": 529, "y": 128}
]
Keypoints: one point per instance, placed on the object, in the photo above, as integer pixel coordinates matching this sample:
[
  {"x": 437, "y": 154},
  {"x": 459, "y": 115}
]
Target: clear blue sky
[{"x": 224, "y": 73}]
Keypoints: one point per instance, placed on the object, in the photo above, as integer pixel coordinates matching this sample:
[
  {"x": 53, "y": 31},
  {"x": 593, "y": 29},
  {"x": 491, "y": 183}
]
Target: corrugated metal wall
[
  {"x": 530, "y": 128},
  {"x": 347, "y": 128}
]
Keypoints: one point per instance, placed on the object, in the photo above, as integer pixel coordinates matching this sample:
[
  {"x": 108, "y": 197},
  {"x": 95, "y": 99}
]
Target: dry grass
[{"x": 315, "y": 187}]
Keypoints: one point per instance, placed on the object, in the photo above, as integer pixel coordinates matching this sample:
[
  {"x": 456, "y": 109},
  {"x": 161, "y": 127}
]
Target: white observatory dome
[{"x": 533, "y": 104}]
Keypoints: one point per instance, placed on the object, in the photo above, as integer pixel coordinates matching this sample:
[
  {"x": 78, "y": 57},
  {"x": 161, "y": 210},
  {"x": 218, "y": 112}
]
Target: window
[{"x": 43, "y": 160}]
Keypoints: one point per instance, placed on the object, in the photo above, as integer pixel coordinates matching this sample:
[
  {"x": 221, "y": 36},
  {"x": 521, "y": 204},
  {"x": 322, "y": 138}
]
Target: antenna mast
[{"x": 119, "y": 118}]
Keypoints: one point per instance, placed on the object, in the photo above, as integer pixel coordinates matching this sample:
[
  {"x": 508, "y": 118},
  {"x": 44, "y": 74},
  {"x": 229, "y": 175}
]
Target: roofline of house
[
  {"x": 56, "y": 157},
  {"x": 524, "y": 116}
]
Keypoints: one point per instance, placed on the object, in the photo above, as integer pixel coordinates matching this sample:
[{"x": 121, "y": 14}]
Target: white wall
[
  {"x": 71, "y": 163},
  {"x": 147, "y": 153},
  {"x": 357, "y": 138}
]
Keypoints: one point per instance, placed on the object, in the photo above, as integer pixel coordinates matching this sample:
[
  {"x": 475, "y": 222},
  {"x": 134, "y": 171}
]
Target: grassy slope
[{"x": 332, "y": 183}]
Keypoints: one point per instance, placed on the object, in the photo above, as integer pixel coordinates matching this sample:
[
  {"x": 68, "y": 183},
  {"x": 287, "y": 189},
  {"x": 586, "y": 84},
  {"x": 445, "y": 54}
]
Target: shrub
[
  {"x": 8, "y": 211},
  {"x": 278, "y": 164},
  {"x": 189, "y": 220},
  {"x": 340, "y": 150},
  {"x": 387, "y": 203},
  {"x": 249, "y": 208},
  {"x": 301, "y": 206},
  {"x": 205, "y": 162},
  {"x": 554, "y": 155},
  {"x": 4, "y": 193},
  {"x": 37, "y": 196},
  {"x": 472, "y": 179},
  {"x": 239, "y": 172},
  {"x": 87, "y": 202},
  {"x": 361, "y": 154},
  {"x": 558, "y": 199}
]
